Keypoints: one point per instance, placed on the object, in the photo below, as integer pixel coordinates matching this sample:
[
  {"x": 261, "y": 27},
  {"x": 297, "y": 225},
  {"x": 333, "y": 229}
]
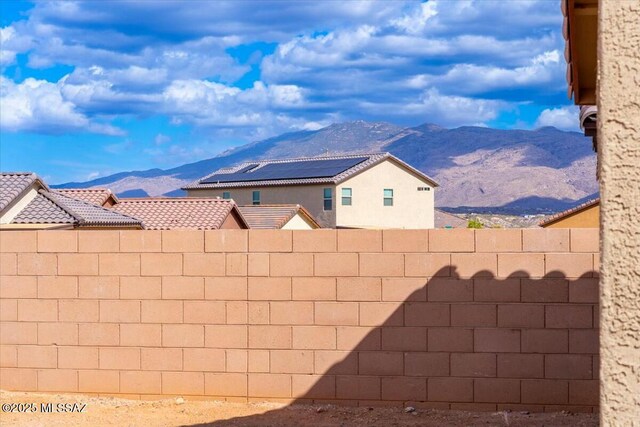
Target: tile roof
[
  {"x": 42, "y": 210},
  {"x": 444, "y": 219},
  {"x": 95, "y": 196},
  {"x": 12, "y": 184},
  {"x": 87, "y": 214},
  {"x": 274, "y": 216},
  {"x": 371, "y": 160},
  {"x": 560, "y": 215},
  {"x": 169, "y": 213}
]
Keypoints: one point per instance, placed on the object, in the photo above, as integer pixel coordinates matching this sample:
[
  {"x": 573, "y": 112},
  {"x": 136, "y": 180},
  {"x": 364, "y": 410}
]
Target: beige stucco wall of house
[
  {"x": 297, "y": 223},
  {"x": 619, "y": 136},
  {"x": 411, "y": 208},
  {"x": 587, "y": 218},
  {"x": 309, "y": 196}
]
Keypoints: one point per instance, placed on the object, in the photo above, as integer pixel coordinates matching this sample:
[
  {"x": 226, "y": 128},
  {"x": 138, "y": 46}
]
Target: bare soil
[{"x": 103, "y": 411}]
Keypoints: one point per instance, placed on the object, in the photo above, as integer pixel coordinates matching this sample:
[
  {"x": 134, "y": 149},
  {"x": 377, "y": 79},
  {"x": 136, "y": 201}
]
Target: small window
[
  {"x": 226, "y": 195},
  {"x": 346, "y": 197},
  {"x": 256, "y": 197},
  {"x": 328, "y": 199},
  {"x": 388, "y": 197}
]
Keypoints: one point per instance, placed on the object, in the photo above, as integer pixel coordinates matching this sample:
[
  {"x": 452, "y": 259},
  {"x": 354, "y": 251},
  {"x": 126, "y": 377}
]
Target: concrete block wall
[{"x": 460, "y": 319}]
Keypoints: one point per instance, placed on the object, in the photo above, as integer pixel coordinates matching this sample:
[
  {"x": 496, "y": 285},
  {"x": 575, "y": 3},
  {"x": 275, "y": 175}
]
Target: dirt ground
[{"x": 102, "y": 411}]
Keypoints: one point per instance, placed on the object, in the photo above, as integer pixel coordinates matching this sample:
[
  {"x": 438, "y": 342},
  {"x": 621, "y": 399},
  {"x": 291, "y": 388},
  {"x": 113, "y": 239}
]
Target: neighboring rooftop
[
  {"x": 275, "y": 216},
  {"x": 13, "y": 184},
  {"x": 307, "y": 170},
  {"x": 564, "y": 214},
  {"x": 444, "y": 219},
  {"x": 95, "y": 196},
  {"x": 169, "y": 213}
]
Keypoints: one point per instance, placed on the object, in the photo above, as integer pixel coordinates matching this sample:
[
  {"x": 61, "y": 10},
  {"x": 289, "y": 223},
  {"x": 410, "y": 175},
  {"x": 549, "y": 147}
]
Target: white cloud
[{"x": 565, "y": 118}]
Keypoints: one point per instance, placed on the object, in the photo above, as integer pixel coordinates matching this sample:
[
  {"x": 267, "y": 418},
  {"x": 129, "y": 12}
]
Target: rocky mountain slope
[{"x": 515, "y": 171}]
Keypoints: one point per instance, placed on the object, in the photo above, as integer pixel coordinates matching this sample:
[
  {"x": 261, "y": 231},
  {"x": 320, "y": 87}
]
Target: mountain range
[{"x": 479, "y": 169}]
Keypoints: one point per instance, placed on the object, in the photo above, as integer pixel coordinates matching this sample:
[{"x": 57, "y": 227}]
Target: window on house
[
  {"x": 346, "y": 197},
  {"x": 328, "y": 199},
  {"x": 388, "y": 197},
  {"x": 226, "y": 195},
  {"x": 256, "y": 197}
]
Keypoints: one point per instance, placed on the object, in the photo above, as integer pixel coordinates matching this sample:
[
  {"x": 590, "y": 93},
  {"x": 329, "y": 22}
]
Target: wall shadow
[{"x": 369, "y": 374}]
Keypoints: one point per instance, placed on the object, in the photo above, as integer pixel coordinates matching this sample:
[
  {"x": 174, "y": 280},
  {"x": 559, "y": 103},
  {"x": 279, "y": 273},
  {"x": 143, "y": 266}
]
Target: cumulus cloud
[{"x": 565, "y": 118}]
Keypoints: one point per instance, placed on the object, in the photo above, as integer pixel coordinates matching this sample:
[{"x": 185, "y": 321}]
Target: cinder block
[
  {"x": 8, "y": 356},
  {"x": 380, "y": 363},
  {"x": 37, "y": 310},
  {"x": 584, "y": 392},
  {"x": 32, "y": 356},
  {"x": 18, "y": 333},
  {"x": 237, "y": 361},
  {"x": 499, "y": 240},
  {"x": 161, "y": 312},
  {"x": 237, "y": 312},
  {"x": 568, "y": 366},
  {"x": 56, "y": 241},
  {"x": 520, "y": 316},
  {"x": 452, "y": 240},
  {"x": 18, "y": 241},
  {"x": 426, "y": 314},
  {"x": 237, "y": 264},
  {"x": 313, "y": 386},
  {"x": 269, "y": 288},
  {"x": 183, "y": 383},
  {"x": 585, "y": 240},
  {"x": 596, "y": 265},
  {"x": 449, "y": 289},
  {"x": 336, "y": 264},
  {"x": 179, "y": 287},
  {"x": 183, "y": 335},
  {"x": 18, "y": 287},
  {"x": 291, "y": 264},
  {"x": 314, "y": 240},
  {"x": 258, "y": 265},
  {"x": 403, "y": 388},
  {"x": 426, "y": 364},
  {"x": 9, "y": 264},
  {"x": 545, "y": 391},
  {"x": 99, "y": 334},
  {"x": 54, "y": 287},
  {"x": 545, "y": 239},
  {"x": 498, "y": 390},
  {"x": 209, "y": 264},
  {"x": 521, "y": 265},
  {"x": 291, "y": 313},
  {"x": 335, "y": 362},
  {"x": 584, "y": 291},
  {"x": 161, "y": 359},
  {"x": 497, "y": 340},
  {"x": 474, "y": 264},
  {"x": 496, "y": 290},
  {"x": 78, "y": 357},
  {"x": 8, "y": 310},
  {"x": 291, "y": 361},
  {"x": 140, "y": 241},
  {"x": 450, "y": 389},
  {"x": 119, "y": 358},
  {"x": 204, "y": 359},
  {"x": 31, "y": 264},
  {"x": 382, "y": 265},
  {"x": 258, "y": 360},
  {"x": 473, "y": 365},
  {"x": 475, "y": 315},
  {"x": 405, "y": 240},
  {"x": 584, "y": 341},
  {"x": 359, "y": 241},
  {"x": 207, "y": 312},
  {"x": 269, "y": 337},
  {"x": 427, "y": 265},
  {"x": 226, "y": 240},
  {"x": 119, "y": 264},
  {"x": 336, "y": 313},
  {"x": 404, "y": 338},
  {"x": 77, "y": 264},
  {"x": 98, "y": 241},
  {"x": 358, "y": 387},
  {"x": 511, "y": 365},
  {"x": 545, "y": 341},
  {"x": 118, "y": 311},
  {"x": 78, "y": 311},
  {"x": 269, "y": 385},
  {"x": 57, "y": 334},
  {"x": 140, "y": 382},
  {"x": 313, "y": 288},
  {"x": 359, "y": 289},
  {"x": 225, "y": 384},
  {"x": 404, "y": 289},
  {"x": 225, "y": 288},
  {"x": 18, "y": 379},
  {"x": 99, "y": 287},
  {"x": 61, "y": 380},
  {"x": 153, "y": 264},
  {"x": 568, "y": 316},
  {"x": 270, "y": 241},
  {"x": 358, "y": 338},
  {"x": 182, "y": 241},
  {"x": 226, "y": 336},
  {"x": 258, "y": 312},
  {"x": 148, "y": 288},
  {"x": 140, "y": 335},
  {"x": 571, "y": 265},
  {"x": 545, "y": 290},
  {"x": 450, "y": 339}
]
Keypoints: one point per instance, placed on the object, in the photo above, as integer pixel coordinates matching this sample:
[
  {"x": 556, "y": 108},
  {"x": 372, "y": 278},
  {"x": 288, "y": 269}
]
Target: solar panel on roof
[{"x": 288, "y": 170}]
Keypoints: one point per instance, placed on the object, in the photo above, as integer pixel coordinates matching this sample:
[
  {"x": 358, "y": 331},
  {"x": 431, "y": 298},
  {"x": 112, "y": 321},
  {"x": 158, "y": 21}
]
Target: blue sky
[{"x": 90, "y": 88}]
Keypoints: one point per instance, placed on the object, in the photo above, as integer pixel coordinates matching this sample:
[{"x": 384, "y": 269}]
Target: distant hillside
[{"x": 515, "y": 171}]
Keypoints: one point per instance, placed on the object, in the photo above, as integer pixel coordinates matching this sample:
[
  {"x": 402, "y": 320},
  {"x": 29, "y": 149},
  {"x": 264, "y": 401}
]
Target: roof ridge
[
  {"x": 82, "y": 220},
  {"x": 569, "y": 211},
  {"x": 69, "y": 211},
  {"x": 311, "y": 158}
]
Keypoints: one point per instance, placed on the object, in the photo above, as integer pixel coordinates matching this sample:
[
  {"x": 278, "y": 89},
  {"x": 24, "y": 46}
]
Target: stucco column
[{"x": 619, "y": 137}]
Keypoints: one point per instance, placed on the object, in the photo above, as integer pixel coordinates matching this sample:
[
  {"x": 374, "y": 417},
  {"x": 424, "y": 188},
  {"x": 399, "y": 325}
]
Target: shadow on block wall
[{"x": 478, "y": 343}]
